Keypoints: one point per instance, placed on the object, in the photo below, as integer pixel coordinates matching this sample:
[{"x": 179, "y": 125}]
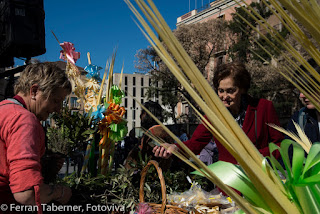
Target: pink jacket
[{"x": 21, "y": 146}]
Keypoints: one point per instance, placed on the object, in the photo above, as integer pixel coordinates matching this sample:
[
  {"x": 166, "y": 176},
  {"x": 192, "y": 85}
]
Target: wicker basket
[{"x": 162, "y": 208}]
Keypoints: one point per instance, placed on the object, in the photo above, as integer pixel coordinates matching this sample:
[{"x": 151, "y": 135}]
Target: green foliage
[
  {"x": 243, "y": 43},
  {"x": 166, "y": 86},
  {"x": 240, "y": 48},
  {"x": 87, "y": 191},
  {"x": 58, "y": 140},
  {"x": 71, "y": 132},
  {"x": 123, "y": 186},
  {"x": 122, "y": 189}
]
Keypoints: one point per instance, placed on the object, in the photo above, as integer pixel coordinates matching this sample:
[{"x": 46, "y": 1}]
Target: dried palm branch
[
  {"x": 225, "y": 129},
  {"x": 301, "y": 138},
  {"x": 110, "y": 78},
  {"x": 304, "y": 12},
  {"x": 102, "y": 83},
  {"x": 185, "y": 156}
]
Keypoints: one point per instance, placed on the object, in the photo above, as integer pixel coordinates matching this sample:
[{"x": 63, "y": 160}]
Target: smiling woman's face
[{"x": 230, "y": 95}]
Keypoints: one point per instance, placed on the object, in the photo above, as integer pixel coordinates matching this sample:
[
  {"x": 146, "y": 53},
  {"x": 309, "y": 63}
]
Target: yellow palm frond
[
  {"x": 306, "y": 13},
  {"x": 225, "y": 129},
  {"x": 301, "y": 138}
]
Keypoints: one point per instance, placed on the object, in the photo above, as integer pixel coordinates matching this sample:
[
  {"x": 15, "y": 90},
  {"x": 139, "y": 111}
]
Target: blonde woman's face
[
  {"x": 42, "y": 106},
  {"x": 230, "y": 94}
]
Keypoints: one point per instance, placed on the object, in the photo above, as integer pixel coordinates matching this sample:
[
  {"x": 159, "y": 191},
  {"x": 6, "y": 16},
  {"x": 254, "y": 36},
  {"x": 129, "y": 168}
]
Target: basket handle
[{"x": 163, "y": 185}]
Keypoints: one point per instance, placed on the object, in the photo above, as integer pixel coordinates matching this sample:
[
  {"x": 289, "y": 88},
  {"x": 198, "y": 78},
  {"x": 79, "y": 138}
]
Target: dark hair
[
  {"x": 132, "y": 133},
  {"x": 47, "y": 75},
  {"x": 237, "y": 71},
  {"x": 147, "y": 121}
]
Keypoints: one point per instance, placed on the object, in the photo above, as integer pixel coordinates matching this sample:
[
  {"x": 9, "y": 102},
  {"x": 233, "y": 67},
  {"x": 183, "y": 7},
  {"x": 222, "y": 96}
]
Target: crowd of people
[{"x": 42, "y": 87}]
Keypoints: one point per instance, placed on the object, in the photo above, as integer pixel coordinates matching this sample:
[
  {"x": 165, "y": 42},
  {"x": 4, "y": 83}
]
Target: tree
[
  {"x": 268, "y": 83},
  {"x": 201, "y": 41},
  {"x": 266, "y": 80},
  {"x": 244, "y": 37},
  {"x": 146, "y": 60}
]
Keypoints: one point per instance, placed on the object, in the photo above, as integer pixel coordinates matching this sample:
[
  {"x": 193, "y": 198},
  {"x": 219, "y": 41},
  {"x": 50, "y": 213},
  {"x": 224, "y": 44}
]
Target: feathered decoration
[{"x": 68, "y": 52}]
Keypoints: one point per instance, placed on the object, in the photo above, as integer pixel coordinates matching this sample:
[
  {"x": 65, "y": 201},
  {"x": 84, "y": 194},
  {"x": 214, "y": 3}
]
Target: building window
[
  {"x": 142, "y": 92},
  {"x": 125, "y": 102},
  {"x": 134, "y": 92},
  {"x": 221, "y": 16},
  {"x": 134, "y": 114},
  {"x": 157, "y": 84},
  {"x": 125, "y": 115},
  {"x": 125, "y": 91},
  {"x": 134, "y": 81},
  {"x": 141, "y": 81},
  {"x": 142, "y": 101},
  {"x": 134, "y": 104},
  {"x": 157, "y": 94},
  {"x": 125, "y": 80},
  {"x": 149, "y": 81}
]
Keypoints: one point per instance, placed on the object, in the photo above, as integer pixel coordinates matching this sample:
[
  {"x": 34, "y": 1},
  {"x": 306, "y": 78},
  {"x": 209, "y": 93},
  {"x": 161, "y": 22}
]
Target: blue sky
[{"x": 98, "y": 26}]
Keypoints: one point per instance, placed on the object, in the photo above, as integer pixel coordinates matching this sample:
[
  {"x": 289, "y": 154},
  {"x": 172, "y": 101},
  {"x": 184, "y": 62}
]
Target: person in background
[
  {"x": 40, "y": 91},
  {"x": 183, "y": 136},
  {"x": 146, "y": 120},
  {"x": 124, "y": 147},
  {"x": 209, "y": 153},
  {"x": 232, "y": 82},
  {"x": 307, "y": 117},
  {"x": 146, "y": 144}
]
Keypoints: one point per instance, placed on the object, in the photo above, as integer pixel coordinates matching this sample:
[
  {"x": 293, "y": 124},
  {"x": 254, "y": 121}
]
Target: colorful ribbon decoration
[
  {"x": 93, "y": 72},
  {"x": 113, "y": 128},
  {"x": 302, "y": 183},
  {"x": 113, "y": 122},
  {"x": 302, "y": 176},
  {"x": 234, "y": 176},
  {"x": 98, "y": 114},
  {"x": 68, "y": 52},
  {"x": 116, "y": 94}
]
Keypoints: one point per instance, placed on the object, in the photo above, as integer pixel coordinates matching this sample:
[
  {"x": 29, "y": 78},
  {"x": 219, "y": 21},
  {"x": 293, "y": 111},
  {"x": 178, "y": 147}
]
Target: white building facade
[{"x": 135, "y": 87}]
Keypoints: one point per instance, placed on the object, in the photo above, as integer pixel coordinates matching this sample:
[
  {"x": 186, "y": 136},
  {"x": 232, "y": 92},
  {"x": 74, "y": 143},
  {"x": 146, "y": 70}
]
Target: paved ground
[{"x": 70, "y": 167}]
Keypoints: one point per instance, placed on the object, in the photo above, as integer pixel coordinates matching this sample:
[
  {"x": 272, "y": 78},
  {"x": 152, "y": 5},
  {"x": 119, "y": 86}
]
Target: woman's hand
[{"x": 161, "y": 151}]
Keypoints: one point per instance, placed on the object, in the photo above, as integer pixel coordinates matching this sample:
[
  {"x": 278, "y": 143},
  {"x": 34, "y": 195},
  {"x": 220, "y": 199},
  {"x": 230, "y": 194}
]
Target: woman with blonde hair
[{"x": 40, "y": 90}]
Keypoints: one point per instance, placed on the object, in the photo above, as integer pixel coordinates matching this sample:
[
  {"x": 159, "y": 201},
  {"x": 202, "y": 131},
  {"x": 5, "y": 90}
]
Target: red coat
[
  {"x": 21, "y": 146},
  {"x": 265, "y": 114}
]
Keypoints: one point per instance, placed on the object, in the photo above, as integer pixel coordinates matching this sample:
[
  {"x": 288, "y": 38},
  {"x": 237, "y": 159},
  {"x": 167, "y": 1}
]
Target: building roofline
[{"x": 216, "y": 7}]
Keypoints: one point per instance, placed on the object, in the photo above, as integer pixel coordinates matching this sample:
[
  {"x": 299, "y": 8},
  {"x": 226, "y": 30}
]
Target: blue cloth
[
  {"x": 183, "y": 137},
  {"x": 206, "y": 154},
  {"x": 311, "y": 128}
]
